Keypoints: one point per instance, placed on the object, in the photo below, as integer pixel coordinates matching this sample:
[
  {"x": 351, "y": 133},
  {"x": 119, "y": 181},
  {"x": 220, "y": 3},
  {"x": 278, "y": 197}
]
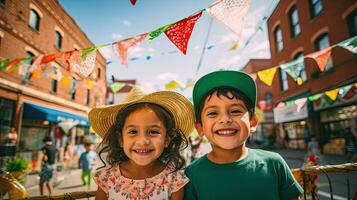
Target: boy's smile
[{"x": 225, "y": 122}]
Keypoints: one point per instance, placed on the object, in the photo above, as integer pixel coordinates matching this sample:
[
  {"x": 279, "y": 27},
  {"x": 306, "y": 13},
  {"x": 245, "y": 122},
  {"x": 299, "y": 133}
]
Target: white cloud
[
  {"x": 228, "y": 37},
  {"x": 228, "y": 61},
  {"x": 107, "y": 51},
  {"x": 149, "y": 86},
  {"x": 116, "y": 35},
  {"x": 167, "y": 76},
  {"x": 126, "y": 23}
]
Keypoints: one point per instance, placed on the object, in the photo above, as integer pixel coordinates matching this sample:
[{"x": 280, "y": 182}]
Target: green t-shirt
[{"x": 261, "y": 175}]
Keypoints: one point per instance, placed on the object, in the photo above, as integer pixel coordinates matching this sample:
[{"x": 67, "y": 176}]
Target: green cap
[{"x": 226, "y": 78}]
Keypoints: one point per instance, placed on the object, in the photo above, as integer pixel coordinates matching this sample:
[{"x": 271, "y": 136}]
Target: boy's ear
[
  {"x": 199, "y": 128},
  {"x": 253, "y": 123}
]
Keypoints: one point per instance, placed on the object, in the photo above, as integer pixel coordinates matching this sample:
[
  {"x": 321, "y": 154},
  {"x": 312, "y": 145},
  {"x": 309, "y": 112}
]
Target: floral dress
[{"x": 159, "y": 187}]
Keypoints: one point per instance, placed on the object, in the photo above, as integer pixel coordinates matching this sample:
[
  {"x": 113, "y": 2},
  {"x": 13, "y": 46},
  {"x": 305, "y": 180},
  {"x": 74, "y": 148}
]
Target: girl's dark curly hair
[{"x": 171, "y": 155}]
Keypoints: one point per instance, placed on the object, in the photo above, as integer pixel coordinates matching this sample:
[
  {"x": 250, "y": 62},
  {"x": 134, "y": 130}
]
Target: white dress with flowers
[{"x": 159, "y": 187}]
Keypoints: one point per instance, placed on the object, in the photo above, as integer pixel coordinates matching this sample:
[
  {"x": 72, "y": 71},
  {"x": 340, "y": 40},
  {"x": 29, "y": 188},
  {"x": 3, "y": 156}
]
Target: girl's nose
[{"x": 144, "y": 140}]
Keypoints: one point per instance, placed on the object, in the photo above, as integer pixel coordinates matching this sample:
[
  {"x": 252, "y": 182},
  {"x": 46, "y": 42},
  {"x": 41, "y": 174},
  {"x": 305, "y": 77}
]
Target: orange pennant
[{"x": 321, "y": 57}]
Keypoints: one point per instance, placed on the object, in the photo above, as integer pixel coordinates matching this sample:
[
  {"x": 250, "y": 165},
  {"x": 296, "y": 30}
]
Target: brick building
[
  {"x": 266, "y": 126},
  {"x": 297, "y": 28},
  {"x": 37, "y": 105}
]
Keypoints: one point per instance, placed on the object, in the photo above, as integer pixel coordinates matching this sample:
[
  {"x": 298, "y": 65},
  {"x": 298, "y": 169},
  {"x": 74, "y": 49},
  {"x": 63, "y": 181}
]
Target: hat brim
[
  {"x": 103, "y": 118},
  {"x": 234, "y": 79}
]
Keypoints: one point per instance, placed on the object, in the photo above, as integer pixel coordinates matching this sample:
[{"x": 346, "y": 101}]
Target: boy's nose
[{"x": 225, "y": 119}]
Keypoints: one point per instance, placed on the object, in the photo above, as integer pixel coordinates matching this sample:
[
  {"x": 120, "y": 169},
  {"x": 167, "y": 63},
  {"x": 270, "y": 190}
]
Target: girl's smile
[{"x": 144, "y": 137}]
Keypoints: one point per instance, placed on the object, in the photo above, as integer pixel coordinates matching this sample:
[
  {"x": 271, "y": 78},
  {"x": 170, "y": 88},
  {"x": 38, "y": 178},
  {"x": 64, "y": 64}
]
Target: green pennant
[
  {"x": 294, "y": 67},
  {"x": 158, "y": 32},
  {"x": 315, "y": 97},
  {"x": 4, "y": 63},
  {"x": 350, "y": 44},
  {"x": 116, "y": 87},
  {"x": 88, "y": 50}
]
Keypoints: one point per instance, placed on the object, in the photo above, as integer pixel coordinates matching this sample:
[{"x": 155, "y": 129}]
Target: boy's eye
[
  {"x": 236, "y": 111},
  {"x": 211, "y": 113}
]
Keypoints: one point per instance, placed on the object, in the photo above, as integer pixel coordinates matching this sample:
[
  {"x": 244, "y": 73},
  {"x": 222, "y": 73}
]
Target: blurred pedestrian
[
  {"x": 47, "y": 164},
  {"x": 86, "y": 162}
]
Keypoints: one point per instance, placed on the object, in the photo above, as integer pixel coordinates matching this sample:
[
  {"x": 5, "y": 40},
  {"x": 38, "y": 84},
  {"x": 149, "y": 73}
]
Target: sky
[{"x": 109, "y": 21}]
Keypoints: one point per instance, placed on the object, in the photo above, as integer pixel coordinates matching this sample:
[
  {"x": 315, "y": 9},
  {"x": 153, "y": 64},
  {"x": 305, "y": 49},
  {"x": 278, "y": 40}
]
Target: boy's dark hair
[
  {"x": 47, "y": 139},
  {"x": 225, "y": 91},
  {"x": 171, "y": 155}
]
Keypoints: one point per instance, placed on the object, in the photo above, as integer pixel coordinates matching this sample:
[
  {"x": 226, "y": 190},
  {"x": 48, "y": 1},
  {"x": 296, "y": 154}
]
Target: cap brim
[{"x": 234, "y": 79}]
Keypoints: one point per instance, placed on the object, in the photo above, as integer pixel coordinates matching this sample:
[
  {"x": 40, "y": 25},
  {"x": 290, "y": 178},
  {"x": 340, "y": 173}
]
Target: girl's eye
[
  {"x": 132, "y": 132},
  {"x": 154, "y": 132}
]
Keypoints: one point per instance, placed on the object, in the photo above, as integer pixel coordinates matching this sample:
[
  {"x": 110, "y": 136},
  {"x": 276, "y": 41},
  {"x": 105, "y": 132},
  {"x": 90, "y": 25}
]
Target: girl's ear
[
  {"x": 199, "y": 129},
  {"x": 253, "y": 123}
]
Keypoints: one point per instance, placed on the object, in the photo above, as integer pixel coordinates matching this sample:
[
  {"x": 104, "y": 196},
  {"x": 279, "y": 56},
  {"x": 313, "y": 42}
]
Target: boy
[
  {"x": 224, "y": 103},
  {"x": 86, "y": 162},
  {"x": 48, "y": 164}
]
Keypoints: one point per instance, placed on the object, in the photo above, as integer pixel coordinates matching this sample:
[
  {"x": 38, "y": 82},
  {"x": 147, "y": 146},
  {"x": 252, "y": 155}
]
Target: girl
[{"x": 142, "y": 139}]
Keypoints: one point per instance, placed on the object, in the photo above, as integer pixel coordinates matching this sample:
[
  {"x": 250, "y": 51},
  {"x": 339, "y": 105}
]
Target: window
[
  {"x": 294, "y": 22},
  {"x": 7, "y": 111},
  {"x": 53, "y": 89},
  {"x": 268, "y": 97},
  {"x": 99, "y": 73},
  {"x": 34, "y": 21},
  {"x": 30, "y": 54},
  {"x": 302, "y": 74},
  {"x": 73, "y": 89},
  {"x": 58, "y": 40},
  {"x": 278, "y": 39},
  {"x": 88, "y": 97},
  {"x": 315, "y": 8},
  {"x": 284, "y": 80},
  {"x": 352, "y": 23},
  {"x": 322, "y": 42}
]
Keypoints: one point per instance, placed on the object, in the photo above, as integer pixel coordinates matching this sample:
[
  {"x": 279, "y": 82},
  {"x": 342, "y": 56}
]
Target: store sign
[
  {"x": 77, "y": 121},
  {"x": 290, "y": 113}
]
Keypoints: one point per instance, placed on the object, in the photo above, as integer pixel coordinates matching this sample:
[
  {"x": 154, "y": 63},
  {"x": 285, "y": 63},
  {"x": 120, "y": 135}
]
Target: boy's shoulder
[
  {"x": 196, "y": 164},
  {"x": 264, "y": 155}
]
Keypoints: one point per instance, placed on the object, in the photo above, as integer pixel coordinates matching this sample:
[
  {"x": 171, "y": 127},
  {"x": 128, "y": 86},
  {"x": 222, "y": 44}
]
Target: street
[{"x": 71, "y": 178}]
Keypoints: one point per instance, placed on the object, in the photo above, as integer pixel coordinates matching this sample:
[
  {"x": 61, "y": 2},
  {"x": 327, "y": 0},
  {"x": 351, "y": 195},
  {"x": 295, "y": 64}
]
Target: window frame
[
  {"x": 277, "y": 46},
  {"x": 58, "y": 40},
  {"x": 283, "y": 80},
  {"x": 38, "y": 20},
  {"x": 313, "y": 8},
  {"x": 295, "y": 28},
  {"x": 350, "y": 23},
  {"x": 54, "y": 82},
  {"x": 88, "y": 97}
]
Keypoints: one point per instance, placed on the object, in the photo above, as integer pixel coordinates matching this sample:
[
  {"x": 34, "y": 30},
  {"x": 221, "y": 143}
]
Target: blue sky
[{"x": 113, "y": 20}]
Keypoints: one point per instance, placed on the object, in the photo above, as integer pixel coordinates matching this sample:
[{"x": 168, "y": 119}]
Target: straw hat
[{"x": 103, "y": 118}]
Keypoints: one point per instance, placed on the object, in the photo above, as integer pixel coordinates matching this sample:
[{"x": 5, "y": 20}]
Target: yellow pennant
[
  {"x": 65, "y": 80},
  {"x": 332, "y": 94},
  {"x": 267, "y": 75}
]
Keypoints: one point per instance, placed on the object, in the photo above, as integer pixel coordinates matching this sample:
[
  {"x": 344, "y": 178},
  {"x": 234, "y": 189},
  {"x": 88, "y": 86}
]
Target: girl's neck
[
  {"x": 220, "y": 156},
  {"x": 131, "y": 170}
]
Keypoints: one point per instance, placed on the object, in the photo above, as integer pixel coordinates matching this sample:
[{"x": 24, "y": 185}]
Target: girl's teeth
[{"x": 142, "y": 150}]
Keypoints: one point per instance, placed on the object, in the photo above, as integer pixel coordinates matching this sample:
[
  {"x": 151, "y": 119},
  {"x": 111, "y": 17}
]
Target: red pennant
[
  {"x": 14, "y": 62},
  {"x": 51, "y": 57},
  {"x": 180, "y": 32},
  {"x": 133, "y": 2},
  {"x": 68, "y": 56}
]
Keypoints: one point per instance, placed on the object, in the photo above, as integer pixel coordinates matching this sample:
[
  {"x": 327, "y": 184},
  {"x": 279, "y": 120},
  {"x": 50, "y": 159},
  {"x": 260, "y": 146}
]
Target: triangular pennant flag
[
  {"x": 315, "y": 97},
  {"x": 190, "y": 83},
  {"x": 173, "y": 85},
  {"x": 321, "y": 57},
  {"x": 332, "y": 94},
  {"x": 294, "y": 68},
  {"x": 123, "y": 46},
  {"x": 82, "y": 67},
  {"x": 300, "y": 103},
  {"x": 14, "y": 63},
  {"x": 51, "y": 57},
  {"x": 89, "y": 84},
  {"x": 153, "y": 34},
  {"x": 116, "y": 87},
  {"x": 230, "y": 13},
  {"x": 4, "y": 63},
  {"x": 133, "y": 2},
  {"x": 234, "y": 46},
  {"x": 350, "y": 44},
  {"x": 36, "y": 74},
  {"x": 267, "y": 75},
  {"x": 180, "y": 32},
  {"x": 70, "y": 55},
  {"x": 344, "y": 90},
  {"x": 88, "y": 50}
]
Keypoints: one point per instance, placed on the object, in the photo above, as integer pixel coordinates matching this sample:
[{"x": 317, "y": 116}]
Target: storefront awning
[{"x": 37, "y": 112}]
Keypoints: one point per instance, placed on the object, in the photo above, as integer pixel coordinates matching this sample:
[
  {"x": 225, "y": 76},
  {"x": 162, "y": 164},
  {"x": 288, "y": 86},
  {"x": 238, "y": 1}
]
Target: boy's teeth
[{"x": 226, "y": 132}]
